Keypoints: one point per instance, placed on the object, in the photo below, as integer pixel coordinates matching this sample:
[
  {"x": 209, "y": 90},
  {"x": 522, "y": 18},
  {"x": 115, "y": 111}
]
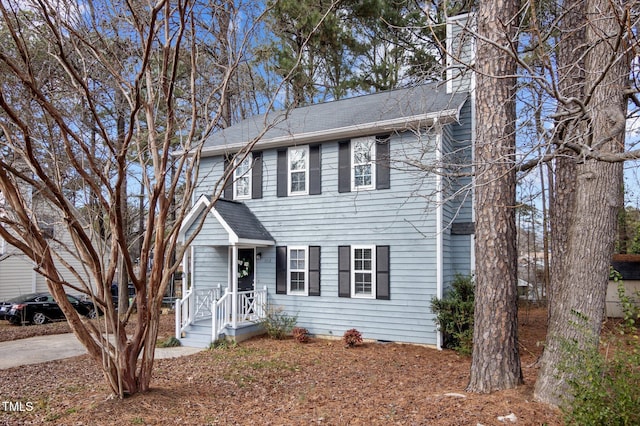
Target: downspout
[
  {"x": 34, "y": 278},
  {"x": 472, "y": 262},
  {"x": 439, "y": 226}
]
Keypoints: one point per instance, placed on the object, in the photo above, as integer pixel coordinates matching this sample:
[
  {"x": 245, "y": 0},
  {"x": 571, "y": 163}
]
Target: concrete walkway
[{"x": 35, "y": 350}]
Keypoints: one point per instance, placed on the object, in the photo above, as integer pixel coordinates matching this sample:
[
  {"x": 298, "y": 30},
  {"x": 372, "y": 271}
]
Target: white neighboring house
[{"x": 18, "y": 273}]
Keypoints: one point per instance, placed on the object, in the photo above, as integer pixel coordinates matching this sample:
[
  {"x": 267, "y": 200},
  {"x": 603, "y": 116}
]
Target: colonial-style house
[{"x": 346, "y": 214}]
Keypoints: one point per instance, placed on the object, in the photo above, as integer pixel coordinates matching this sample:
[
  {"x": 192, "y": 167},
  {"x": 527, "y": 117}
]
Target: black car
[
  {"x": 39, "y": 308},
  {"x": 5, "y": 307}
]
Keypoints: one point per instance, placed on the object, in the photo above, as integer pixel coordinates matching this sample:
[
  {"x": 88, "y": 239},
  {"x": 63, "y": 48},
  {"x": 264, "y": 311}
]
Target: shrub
[
  {"x": 222, "y": 344},
  {"x": 277, "y": 323},
  {"x": 300, "y": 334},
  {"x": 454, "y": 314},
  {"x": 603, "y": 383},
  {"x": 170, "y": 342},
  {"x": 630, "y": 308},
  {"x": 351, "y": 338}
]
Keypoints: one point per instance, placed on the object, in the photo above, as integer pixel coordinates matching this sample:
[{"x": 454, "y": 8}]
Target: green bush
[
  {"x": 630, "y": 308},
  {"x": 277, "y": 323},
  {"x": 454, "y": 314},
  {"x": 604, "y": 379},
  {"x": 170, "y": 342}
]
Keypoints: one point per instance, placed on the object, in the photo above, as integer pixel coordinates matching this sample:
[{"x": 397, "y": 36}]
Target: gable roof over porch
[{"x": 235, "y": 218}]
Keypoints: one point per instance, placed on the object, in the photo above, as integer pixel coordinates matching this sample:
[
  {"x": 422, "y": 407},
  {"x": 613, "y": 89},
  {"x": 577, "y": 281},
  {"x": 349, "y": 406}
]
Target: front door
[{"x": 246, "y": 269}]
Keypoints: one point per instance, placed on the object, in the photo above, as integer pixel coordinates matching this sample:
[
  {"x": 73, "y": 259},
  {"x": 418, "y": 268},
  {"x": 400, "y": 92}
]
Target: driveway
[{"x": 35, "y": 350}]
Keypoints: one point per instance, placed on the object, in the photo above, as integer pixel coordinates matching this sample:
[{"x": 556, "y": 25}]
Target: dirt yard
[{"x": 267, "y": 382}]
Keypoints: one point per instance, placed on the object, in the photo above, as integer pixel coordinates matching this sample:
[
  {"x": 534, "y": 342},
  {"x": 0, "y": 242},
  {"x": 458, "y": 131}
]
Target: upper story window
[
  {"x": 245, "y": 181},
  {"x": 363, "y": 158},
  {"x": 242, "y": 179},
  {"x": 364, "y": 164},
  {"x": 298, "y": 170}
]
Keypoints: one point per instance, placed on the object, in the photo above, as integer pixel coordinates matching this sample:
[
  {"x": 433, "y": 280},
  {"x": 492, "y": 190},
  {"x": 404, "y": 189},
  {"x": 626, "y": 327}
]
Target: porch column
[
  {"x": 234, "y": 285},
  {"x": 185, "y": 272}
]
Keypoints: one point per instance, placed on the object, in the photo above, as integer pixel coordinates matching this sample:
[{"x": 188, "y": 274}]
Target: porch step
[{"x": 197, "y": 336}]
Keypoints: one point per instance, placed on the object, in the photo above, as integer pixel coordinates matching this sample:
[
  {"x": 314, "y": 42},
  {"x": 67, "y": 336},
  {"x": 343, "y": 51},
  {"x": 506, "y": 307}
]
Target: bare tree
[
  {"x": 598, "y": 149},
  {"x": 102, "y": 91}
]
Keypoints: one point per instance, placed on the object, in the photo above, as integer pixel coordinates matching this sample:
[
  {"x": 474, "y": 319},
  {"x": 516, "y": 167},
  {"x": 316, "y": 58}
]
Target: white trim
[
  {"x": 305, "y": 292},
  {"x": 439, "y": 230},
  {"x": 195, "y": 211},
  {"x": 247, "y": 243},
  {"x": 347, "y": 132},
  {"x": 372, "y": 140},
  {"x": 234, "y": 285},
  {"x": 192, "y": 262},
  {"x": 372, "y": 271},
  {"x": 305, "y": 149},
  {"x": 472, "y": 262},
  {"x": 202, "y": 203}
]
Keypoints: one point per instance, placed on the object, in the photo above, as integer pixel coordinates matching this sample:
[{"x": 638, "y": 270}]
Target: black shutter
[
  {"x": 344, "y": 271},
  {"x": 315, "y": 167},
  {"x": 281, "y": 270},
  {"x": 282, "y": 178},
  {"x": 228, "y": 188},
  {"x": 256, "y": 176},
  {"x": 383, "y": 170},
  {"x": 382, "y": 273},
  {"x": 314, "y": 271},
  {"x": 344, "y": 166}
]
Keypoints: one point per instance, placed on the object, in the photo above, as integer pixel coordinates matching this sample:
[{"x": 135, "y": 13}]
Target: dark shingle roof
[
  {"x": 242, "y": 220},
  {"x": 361, "y": 113}
]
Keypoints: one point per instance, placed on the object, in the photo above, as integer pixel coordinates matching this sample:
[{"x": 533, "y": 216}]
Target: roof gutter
[{"x": 395, "y": 124}]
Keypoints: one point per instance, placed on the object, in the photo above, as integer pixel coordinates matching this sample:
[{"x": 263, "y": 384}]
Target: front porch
[
  {"x": 226, "y": 250},
  {"x": 206, "y": 315}
]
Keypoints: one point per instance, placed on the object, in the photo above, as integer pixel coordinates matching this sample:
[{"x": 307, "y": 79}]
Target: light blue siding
[
  {"x": 402, "y": 217},
  {"x": 210, "y": 266}
]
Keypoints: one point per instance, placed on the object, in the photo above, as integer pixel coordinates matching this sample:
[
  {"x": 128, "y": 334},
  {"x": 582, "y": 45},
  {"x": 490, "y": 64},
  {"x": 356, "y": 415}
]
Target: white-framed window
[
  {"x": 363, "y": 271},
  {"x": 298, "y": 170},
  {"x": 363, "y": 161},
  {"x": 298, "y": 270},
  {"x": 242, "y": 179}
]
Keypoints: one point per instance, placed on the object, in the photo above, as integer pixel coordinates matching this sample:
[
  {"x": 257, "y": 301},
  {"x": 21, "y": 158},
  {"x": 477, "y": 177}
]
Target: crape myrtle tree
[{"x": 93, "y": 95}]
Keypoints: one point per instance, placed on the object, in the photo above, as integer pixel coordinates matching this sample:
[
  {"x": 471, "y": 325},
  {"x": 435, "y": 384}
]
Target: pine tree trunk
[
  {"x": 496, "y": 361},
  {"x": 581, "y": 287},
  {"x": 570, "y": 72}
]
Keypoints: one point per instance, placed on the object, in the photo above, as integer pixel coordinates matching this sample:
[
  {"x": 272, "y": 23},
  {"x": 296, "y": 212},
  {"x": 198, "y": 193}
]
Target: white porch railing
[
  {"x": 249, "y": 307},
  {"x": 196, "y": 305}
]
